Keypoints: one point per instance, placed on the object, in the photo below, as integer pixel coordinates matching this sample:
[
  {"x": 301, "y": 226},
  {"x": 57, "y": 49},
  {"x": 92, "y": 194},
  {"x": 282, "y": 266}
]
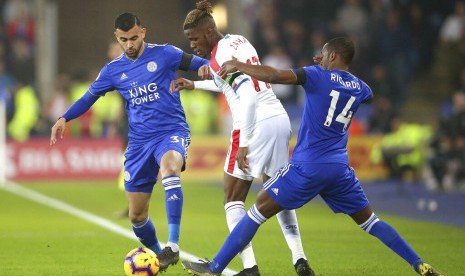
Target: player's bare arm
[
  {"x": 58, "y": 129},
  {"x": 181, "y": 84},
  {"x": 242, "y": 160},
  {"x": 260, "y": 72}
]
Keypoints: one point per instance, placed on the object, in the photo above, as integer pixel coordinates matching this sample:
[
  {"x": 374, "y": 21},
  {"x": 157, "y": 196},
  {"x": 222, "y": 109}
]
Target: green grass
[{"x": 39, "y": 240}]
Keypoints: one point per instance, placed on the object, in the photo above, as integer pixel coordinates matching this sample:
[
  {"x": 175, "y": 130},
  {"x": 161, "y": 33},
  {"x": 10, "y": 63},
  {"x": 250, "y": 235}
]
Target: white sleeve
[{"x": 207, "y": 85}]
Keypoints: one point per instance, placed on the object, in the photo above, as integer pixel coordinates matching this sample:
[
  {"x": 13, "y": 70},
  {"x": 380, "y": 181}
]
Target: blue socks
[
  {"x": 145, "y": 230},
  {"x": 391, "y": 239},
  {"x": 241, "y": 235},
  {"x": 147, "y": 235},
  {"x": 173, "y": 200}
]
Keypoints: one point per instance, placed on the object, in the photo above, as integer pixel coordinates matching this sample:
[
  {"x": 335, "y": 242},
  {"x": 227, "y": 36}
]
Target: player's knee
[
  {"x": 170, "y": 170},
  {"x": 137, "y": 217},
  {"x": 266, "y": 205},
  {"x": 235, "y": 195}
]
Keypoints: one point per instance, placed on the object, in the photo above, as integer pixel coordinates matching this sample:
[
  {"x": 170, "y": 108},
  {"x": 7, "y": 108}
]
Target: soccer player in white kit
[{"x": 261, "y": 128}]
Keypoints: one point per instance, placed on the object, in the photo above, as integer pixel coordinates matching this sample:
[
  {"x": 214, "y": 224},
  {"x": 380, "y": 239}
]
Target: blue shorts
[
  {"x": 143, "y": 161},
  {"x": 296, "y": 184}
]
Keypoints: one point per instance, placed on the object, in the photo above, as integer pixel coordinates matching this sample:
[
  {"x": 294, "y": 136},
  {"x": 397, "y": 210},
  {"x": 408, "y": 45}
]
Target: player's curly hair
[{"x": 199, "y": 15}]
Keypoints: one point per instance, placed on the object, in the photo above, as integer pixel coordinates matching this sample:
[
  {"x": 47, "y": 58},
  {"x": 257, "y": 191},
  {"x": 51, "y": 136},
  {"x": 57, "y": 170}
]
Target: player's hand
[
  {"x": 228, "y": 67},
  {"x": 317, "y": 59},
  {"x": 242, "y": 160},
  {"x": 180, "y": 84},
  {"x": 58, "y": 130},
  {"x": 204, "y": 72}
]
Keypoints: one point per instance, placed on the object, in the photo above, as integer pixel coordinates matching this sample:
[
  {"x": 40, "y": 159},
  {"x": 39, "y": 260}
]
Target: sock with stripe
[
  {"x": 235, "y": 210},
  {"x": 289, "y": 225},
  {"x": 389, "y": 236},
  {"x": 241, "y": 235},
  {"x": 145, "y": 232},
  {"x": 173, "y": 201}
]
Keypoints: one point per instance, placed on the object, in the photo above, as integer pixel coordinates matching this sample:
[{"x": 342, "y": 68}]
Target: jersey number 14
[{"x": 345, "y": 116}]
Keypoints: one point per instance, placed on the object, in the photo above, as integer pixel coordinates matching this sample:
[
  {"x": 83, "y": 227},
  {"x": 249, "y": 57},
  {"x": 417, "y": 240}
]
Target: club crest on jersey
[
  {"x": 152, "y": 66},
  {"x": 127, "y": 176}
]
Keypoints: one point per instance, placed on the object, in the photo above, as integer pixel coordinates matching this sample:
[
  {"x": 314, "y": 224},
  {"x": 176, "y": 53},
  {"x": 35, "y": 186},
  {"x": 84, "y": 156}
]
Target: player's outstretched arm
[
  {"x": 58, "y": 129},
  {"x": 77, "y": 109},
  {"x": 185, "y": 84},
  {"x": 260, "y": 72},
  {"x": 181, "y": 84}
]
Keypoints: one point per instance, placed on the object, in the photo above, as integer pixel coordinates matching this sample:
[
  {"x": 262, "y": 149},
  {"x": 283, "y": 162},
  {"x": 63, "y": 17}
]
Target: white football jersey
[{"x": 250, "y": 100}]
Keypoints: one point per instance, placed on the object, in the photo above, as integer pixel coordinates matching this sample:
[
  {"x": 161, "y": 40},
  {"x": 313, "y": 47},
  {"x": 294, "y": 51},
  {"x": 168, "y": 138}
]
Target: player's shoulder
[
  {"x": 165, "y": 50},
  {"x": 233, "y": 40},
  {"x": 117, "y": 59},
  {"x": 313, "y": 69},
  {"x": 231, "y": 45},
  {"x": 156, "y": 47}
]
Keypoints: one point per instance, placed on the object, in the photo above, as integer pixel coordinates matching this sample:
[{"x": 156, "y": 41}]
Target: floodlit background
[{"x": 408, "y": 146}]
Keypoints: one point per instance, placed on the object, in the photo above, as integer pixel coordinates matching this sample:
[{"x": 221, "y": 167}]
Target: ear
[
  {"x": 143, "y": 31},
  {"x": 332, "y": 56},
  {"x": 209, "y": 32}
]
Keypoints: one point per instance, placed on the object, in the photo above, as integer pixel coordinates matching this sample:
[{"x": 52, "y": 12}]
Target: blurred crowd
[{"x": 398, "y": 41}]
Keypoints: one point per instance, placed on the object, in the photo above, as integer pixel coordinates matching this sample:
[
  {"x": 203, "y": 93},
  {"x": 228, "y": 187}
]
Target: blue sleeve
[
  {"x": 197, "y": 62},
  {"x": 368, "y": 95},
  {"x": 102, "y": 83},
  {"x": 312, "y": 76},
  {"x": 173, "y": 55},
  {"x": 80, "y": 106},
  {"x": 183, "y": 61}
]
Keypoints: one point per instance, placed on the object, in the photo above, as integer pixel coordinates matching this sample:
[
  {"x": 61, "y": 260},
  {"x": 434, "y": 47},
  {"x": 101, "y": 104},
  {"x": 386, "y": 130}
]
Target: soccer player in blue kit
[
  {"x": 319, "y": 164},
  {"x": 158, "y": 136}
]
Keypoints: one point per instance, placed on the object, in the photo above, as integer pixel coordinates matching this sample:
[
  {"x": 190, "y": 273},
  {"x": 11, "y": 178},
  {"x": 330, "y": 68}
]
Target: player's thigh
[
  {"x": 230, "y": 163},
  {"x": 140, "y": 169},
  {"x": 171, "y": 152},
  {"x": 344, "y": 194},
  {"x": 269, "y": 145},
  {"x": 293, "y": 186},
  {"x": 235, "y": 189},
  {"x": 171, "y": 163}
]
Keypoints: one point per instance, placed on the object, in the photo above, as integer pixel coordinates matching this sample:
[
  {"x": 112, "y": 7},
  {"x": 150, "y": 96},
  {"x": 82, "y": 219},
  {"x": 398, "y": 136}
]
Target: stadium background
[
  {"x": 44, "y": 71},
  {"x": 71, "y": 41}
]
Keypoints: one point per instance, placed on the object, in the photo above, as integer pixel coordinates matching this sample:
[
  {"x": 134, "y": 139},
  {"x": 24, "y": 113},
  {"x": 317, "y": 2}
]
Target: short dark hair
[
  {"x": 343, "y": 46},
  {"x": 126, "y": 21}
]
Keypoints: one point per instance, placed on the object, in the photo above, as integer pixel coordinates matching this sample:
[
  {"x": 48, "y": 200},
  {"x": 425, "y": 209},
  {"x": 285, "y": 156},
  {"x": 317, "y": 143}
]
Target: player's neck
[{"x": 217, "y": 36}]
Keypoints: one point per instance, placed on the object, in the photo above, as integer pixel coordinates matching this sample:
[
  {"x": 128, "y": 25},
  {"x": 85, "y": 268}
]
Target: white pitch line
[{"x": 102, "y": 222}]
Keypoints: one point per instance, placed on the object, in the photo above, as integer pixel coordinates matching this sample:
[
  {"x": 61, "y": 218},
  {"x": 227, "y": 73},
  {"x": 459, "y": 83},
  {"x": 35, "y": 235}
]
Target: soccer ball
[{"x": 141, "y": 261}]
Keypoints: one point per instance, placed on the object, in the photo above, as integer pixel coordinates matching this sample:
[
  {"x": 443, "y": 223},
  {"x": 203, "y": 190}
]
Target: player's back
[
  {"x": 236, "y": 46},
  {"x": 331, "y": 99}
]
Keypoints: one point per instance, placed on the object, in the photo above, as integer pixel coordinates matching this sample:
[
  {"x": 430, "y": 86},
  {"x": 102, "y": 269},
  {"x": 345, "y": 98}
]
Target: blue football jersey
[
  {"x": 331, "y": 99},
  {"x": 144, "y": 84}
]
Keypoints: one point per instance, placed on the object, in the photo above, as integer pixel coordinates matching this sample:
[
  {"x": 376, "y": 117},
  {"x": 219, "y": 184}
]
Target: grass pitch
[{"x": 36, "y": 239}]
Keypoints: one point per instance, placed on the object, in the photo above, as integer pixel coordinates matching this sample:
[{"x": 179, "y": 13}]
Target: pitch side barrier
[{"x": 90, "y": 158}]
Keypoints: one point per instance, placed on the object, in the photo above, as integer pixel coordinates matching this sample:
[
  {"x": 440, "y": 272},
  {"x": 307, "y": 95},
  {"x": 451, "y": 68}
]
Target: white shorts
[{"x": 268, "y": 148}]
